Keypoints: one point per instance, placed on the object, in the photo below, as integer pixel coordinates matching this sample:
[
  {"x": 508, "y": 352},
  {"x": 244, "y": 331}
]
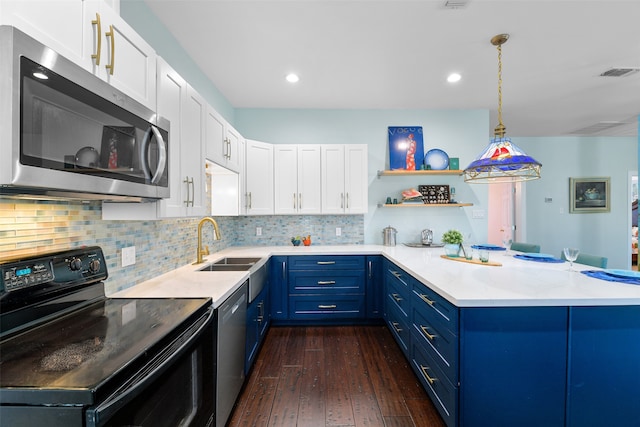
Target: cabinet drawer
[
  {"x": 397, "y": 275},
  {"x": 399, "y": 296},
  {"x": 323, "y": 282},
  {"x": 440, "y": 342},
  {"x": 326, "y": 262},
  {"x": 325, "y": 307},
  {"x": 436, "y": 307},
  {"x": 442, "y": 392},
  {"x": 399, "y": 326}
]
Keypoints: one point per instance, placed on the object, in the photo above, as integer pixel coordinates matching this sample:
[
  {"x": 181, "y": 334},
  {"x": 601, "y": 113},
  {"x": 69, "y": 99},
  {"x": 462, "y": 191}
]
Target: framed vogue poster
[
  {"x": 589, "y": 195},
  {"x": 406, "y": 149}
]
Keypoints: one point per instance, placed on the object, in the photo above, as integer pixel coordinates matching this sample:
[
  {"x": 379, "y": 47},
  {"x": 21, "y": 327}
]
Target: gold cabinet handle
[
  {"x": 396, "y": 297},
  {"x": 325, "y": 307},
  {"x": 97, "y": 23},
  {"x": 425, "y": 331},
  {"x": 426, "y": 299},
  {"x": 424, "y": 370},
  {"x": 111, "y": 66},
  {"x": 396, "y": 326},
  {"x": 327, "y": 282}
]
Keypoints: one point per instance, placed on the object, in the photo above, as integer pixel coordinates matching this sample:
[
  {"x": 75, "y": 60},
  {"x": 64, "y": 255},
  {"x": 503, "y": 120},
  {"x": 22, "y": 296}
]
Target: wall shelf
[
  {"x": 424, "y": 205},
  {"x": 418, "y": 172}
]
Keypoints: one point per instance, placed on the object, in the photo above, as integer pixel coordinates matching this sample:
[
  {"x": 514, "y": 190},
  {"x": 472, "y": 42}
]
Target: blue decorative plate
[
  {"x": 488, "y": 247},
  {"x": 437, "y": 159}
]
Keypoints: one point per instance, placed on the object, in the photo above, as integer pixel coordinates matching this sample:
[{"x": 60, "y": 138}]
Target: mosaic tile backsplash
[{"x": 33, "y": 227}]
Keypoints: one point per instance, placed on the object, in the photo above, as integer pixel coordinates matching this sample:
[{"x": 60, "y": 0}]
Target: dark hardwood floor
[{"x": 332, "y": 376}]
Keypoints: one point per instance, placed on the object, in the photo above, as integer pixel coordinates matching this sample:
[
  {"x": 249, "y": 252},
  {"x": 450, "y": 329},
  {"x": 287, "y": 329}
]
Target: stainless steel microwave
[{"x": 65, "y": 133}]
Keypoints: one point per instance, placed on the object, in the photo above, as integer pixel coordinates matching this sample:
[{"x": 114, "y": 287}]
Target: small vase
[{"x": 452, "y": 249}]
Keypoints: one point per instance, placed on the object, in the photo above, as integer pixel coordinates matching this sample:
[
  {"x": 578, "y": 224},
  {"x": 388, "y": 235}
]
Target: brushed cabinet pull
[
  {"x": 425, "y": 331},
  {"x": 332, "y": 306},
  {"x": 426, "y": 299},
  {"x": 341, "y": 200},
  {"x": 370, "y": 269},
  {"x": 396, "y": 297},
  {"x": 98, "y": 24},
  {"x": 327, "y": 282},
  {"x": 193, "y": 192},
  {"x": 299, "y": 200},
  {"x": 186, "y": 181},
  {"x": 111, "y": 66},
  {"x": 424, "y": 370},
  {"x": 347, "y": 200},
  {"x": 294, "y": 201},
  {"x": 396, "y": 326},
  {"x": 284, "y": 269},
  {"x": 325, "y": 262},
  {"x": 395, "y": 273}
]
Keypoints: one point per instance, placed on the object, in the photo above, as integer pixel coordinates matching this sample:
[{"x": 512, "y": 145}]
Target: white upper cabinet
[
  {"x": 185, "y": 108},
  {"x": 258, "y": 185},
  {"x": 91, "y": 34},
  {"x": 57, "y": 24},
  {"x": 223, "y": 141},
  {"x": 118, "y": 54},
  {"x": 297, "y": 179},
  {"x": 344, "y": 179}
]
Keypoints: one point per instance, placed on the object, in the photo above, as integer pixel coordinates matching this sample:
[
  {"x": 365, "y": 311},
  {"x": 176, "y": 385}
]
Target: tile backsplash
[{"x": 34, "y": 227}]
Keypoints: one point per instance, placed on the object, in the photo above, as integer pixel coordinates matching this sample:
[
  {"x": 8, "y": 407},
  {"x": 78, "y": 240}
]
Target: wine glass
[{"x": 571, "y": 254}]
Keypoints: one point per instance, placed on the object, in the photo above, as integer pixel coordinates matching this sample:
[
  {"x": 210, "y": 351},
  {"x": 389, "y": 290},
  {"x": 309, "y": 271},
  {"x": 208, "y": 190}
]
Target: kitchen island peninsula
[{"x": 526, "y": 343}]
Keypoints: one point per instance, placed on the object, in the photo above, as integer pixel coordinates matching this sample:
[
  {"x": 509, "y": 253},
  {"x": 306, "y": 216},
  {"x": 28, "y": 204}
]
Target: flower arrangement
[{"x": 452, "y": 237}]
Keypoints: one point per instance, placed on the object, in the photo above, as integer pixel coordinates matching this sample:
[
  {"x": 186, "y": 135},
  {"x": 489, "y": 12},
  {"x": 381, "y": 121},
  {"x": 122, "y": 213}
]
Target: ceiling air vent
[
  {"x": 596, "y": 128},
  {"x": 455, "y": 4},
  {"x": 619, "y": 72}
]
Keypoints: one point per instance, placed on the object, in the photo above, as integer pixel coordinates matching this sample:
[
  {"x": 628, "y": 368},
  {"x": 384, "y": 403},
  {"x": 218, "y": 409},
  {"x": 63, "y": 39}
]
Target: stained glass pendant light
[{"x": 501, "y": 160}]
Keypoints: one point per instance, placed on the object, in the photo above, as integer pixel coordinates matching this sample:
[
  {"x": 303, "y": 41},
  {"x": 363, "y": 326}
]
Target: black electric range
[{"x": 71, "y": 356}]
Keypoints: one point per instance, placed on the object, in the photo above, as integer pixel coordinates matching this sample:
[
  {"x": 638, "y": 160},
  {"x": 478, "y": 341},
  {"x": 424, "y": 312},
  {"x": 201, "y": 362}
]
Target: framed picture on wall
[
  {"x": 589, "y": 195},
  {"x": 406, "y": 150}
]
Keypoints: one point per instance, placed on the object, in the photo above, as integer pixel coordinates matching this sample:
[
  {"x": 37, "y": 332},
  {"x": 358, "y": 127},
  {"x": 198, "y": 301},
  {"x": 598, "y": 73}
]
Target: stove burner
[{"x": 72, "y": 355}]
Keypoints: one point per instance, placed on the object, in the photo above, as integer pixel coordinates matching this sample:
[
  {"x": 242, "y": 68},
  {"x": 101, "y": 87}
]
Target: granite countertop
[{"x": 515, "y": 283}]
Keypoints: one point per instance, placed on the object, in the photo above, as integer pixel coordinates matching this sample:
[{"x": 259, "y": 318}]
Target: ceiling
[{"x": 396, "y": 54}]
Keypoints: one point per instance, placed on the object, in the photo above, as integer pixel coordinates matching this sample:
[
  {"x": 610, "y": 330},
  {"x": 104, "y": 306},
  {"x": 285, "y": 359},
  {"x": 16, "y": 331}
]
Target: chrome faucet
[{"x": 205, "y": 251}]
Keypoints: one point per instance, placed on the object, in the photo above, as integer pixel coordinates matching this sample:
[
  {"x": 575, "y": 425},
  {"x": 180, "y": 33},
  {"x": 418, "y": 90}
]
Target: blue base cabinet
[
  {"x": 517, "y": 366},
  {"x": 278, "y": 272},
  {"x": 258, "y": 320},
  {"x": 604, "y": 366},
  {"x": 374, "y": 287},
  {"x": 513, "y": 366}
]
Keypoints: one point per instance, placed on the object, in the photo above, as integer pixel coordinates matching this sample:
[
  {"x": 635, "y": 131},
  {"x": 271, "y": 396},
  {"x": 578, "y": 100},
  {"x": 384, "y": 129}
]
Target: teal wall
[
  {"x": 551, "y": 224},
  {"x": 460, "y": 133},
  {"x": 145, "y": 22}
]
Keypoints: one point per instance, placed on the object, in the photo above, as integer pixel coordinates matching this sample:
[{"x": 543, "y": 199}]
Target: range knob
[
  {"x": 94, "y": 266},
  {"x": 75, "y": 264}
]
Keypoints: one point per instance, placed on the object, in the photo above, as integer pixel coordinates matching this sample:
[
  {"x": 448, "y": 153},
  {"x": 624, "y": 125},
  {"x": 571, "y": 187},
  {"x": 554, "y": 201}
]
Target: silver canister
[{"x": 389, "y": 236}]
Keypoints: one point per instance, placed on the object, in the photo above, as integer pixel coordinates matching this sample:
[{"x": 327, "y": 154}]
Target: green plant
[{"x": 452, "y": 237}]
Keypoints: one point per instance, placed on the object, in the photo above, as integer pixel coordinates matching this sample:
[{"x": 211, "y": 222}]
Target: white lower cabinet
[
  {"x": 344, "y": 178},
  {"x": 258, "y": 183},
  {"x": 297, "y": 179}
]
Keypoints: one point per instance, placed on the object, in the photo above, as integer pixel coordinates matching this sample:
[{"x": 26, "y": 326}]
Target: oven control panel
[{"x": 79, "y": 266}]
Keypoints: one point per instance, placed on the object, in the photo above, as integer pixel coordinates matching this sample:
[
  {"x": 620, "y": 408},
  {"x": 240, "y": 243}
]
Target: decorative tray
[{"x": 471, "y": 261}]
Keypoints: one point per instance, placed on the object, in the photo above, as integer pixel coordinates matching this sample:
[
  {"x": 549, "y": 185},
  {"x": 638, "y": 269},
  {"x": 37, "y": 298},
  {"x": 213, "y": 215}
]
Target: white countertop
[{"x": 515, "y": 283}]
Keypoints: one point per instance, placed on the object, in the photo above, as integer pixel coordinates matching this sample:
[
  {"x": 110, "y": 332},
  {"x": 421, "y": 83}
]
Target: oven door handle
[{"x": 100, "y": 415}]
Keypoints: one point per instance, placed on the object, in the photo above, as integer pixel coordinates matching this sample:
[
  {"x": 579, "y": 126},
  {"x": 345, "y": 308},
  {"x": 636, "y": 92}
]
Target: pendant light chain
[{"x": 500, "y": 130}]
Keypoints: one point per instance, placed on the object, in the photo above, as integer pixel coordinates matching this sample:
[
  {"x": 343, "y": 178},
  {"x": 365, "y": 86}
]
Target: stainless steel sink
[
  {"x": 237, "y": 260},
  {"x": 226, "y": 267}
]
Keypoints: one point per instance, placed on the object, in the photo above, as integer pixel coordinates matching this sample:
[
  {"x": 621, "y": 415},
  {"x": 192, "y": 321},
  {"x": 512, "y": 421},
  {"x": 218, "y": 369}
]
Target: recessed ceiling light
[
  {"x": 292, "y": 78},
  {"x": 454, "y": 77}
]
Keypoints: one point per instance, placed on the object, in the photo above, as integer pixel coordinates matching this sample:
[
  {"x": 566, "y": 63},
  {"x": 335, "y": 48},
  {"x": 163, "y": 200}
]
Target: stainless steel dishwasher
[{"x": 232, "y": 332}]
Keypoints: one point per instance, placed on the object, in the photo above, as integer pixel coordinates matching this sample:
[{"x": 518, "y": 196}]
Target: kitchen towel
[{"x": 612, "y": 277}]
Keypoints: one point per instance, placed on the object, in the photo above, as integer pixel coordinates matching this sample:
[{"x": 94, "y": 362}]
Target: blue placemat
[
  {"x": 538, "y": 258},
  {"x": 488, "y": 247},
  {"x": 611, "y": 277}
]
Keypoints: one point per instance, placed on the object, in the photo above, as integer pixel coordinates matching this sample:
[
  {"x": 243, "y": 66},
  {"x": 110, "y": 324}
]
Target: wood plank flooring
[{"x": 332, "y": 376}]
